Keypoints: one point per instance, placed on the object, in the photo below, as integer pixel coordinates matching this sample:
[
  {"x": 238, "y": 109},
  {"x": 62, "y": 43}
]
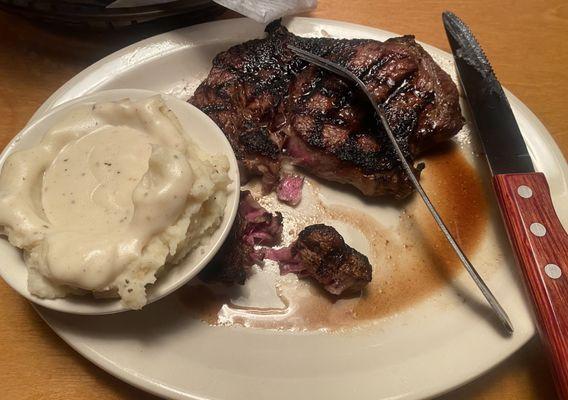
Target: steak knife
[{"x": 538, "y": 239}]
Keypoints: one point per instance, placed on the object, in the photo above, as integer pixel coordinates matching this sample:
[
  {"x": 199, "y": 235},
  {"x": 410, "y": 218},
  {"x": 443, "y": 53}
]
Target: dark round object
[{"x": 94, "y": 14}]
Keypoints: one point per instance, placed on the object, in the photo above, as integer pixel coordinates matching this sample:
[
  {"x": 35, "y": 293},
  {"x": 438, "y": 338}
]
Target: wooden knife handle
[{"x": 541, "y": 246}]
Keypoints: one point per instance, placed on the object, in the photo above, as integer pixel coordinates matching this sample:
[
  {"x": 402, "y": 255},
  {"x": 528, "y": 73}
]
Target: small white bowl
[{"x": 204, "y": 132}]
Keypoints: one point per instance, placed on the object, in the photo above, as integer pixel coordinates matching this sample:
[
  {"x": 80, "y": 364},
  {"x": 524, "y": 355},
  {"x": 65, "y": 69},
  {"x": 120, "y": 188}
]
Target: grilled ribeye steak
[
  {"x": 321, "y": 253},
  {"x": 273, "y": 106}
]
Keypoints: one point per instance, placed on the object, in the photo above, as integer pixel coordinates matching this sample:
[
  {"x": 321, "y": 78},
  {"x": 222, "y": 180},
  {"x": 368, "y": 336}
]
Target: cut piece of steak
[
  {"x": 321, "y": 253},
  {"x": 253, "y": 226},
  {"x": 274, "y": 107},
  {"x": 289, "y": 189}
]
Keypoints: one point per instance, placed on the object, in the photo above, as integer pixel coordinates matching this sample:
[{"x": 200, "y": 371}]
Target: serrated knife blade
[{"x": 497, "y": 127}]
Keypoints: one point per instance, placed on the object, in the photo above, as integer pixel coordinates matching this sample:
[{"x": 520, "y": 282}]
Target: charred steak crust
[
  {"x": 330, "y": 261},
  {"x": 273, "y": 106},
  {"x": 230, "y": 264}
]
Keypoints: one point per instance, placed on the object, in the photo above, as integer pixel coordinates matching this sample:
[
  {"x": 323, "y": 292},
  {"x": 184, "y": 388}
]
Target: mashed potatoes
[{"x": 112, "y": 193}]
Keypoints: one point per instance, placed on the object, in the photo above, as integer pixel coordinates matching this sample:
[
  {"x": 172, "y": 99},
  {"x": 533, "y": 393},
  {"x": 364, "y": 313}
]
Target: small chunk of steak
[
  {"x": 321, "y": 253},
  {"x": 289, "y": 189}
]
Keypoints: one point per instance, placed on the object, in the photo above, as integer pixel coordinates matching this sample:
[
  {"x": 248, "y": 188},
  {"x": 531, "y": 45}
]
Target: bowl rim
[{"x": 89, "y": 305}]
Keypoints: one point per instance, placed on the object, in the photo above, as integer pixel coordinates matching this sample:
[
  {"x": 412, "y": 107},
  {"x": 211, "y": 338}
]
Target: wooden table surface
[{"x": 526, "y": 40}]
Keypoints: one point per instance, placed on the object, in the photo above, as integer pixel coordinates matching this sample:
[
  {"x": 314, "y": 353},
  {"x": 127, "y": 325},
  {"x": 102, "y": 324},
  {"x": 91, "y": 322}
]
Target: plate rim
[{"x": 162, "y": 390}]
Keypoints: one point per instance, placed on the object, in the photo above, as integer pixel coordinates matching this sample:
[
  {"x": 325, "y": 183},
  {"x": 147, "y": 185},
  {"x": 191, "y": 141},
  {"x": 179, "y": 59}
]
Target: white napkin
[
  {"x": 260, "y": 10},
  {"x": 268, "y": 10}
]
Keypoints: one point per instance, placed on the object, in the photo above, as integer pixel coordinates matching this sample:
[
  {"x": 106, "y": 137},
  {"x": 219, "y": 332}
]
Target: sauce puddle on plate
[{"x": 410, "y": 261}]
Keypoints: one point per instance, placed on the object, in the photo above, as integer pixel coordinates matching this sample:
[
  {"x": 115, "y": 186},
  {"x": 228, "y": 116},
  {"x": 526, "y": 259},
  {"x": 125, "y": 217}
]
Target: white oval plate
[
  {"x": 430, "y": 348},
  {"x": 203, "y": 131}
]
